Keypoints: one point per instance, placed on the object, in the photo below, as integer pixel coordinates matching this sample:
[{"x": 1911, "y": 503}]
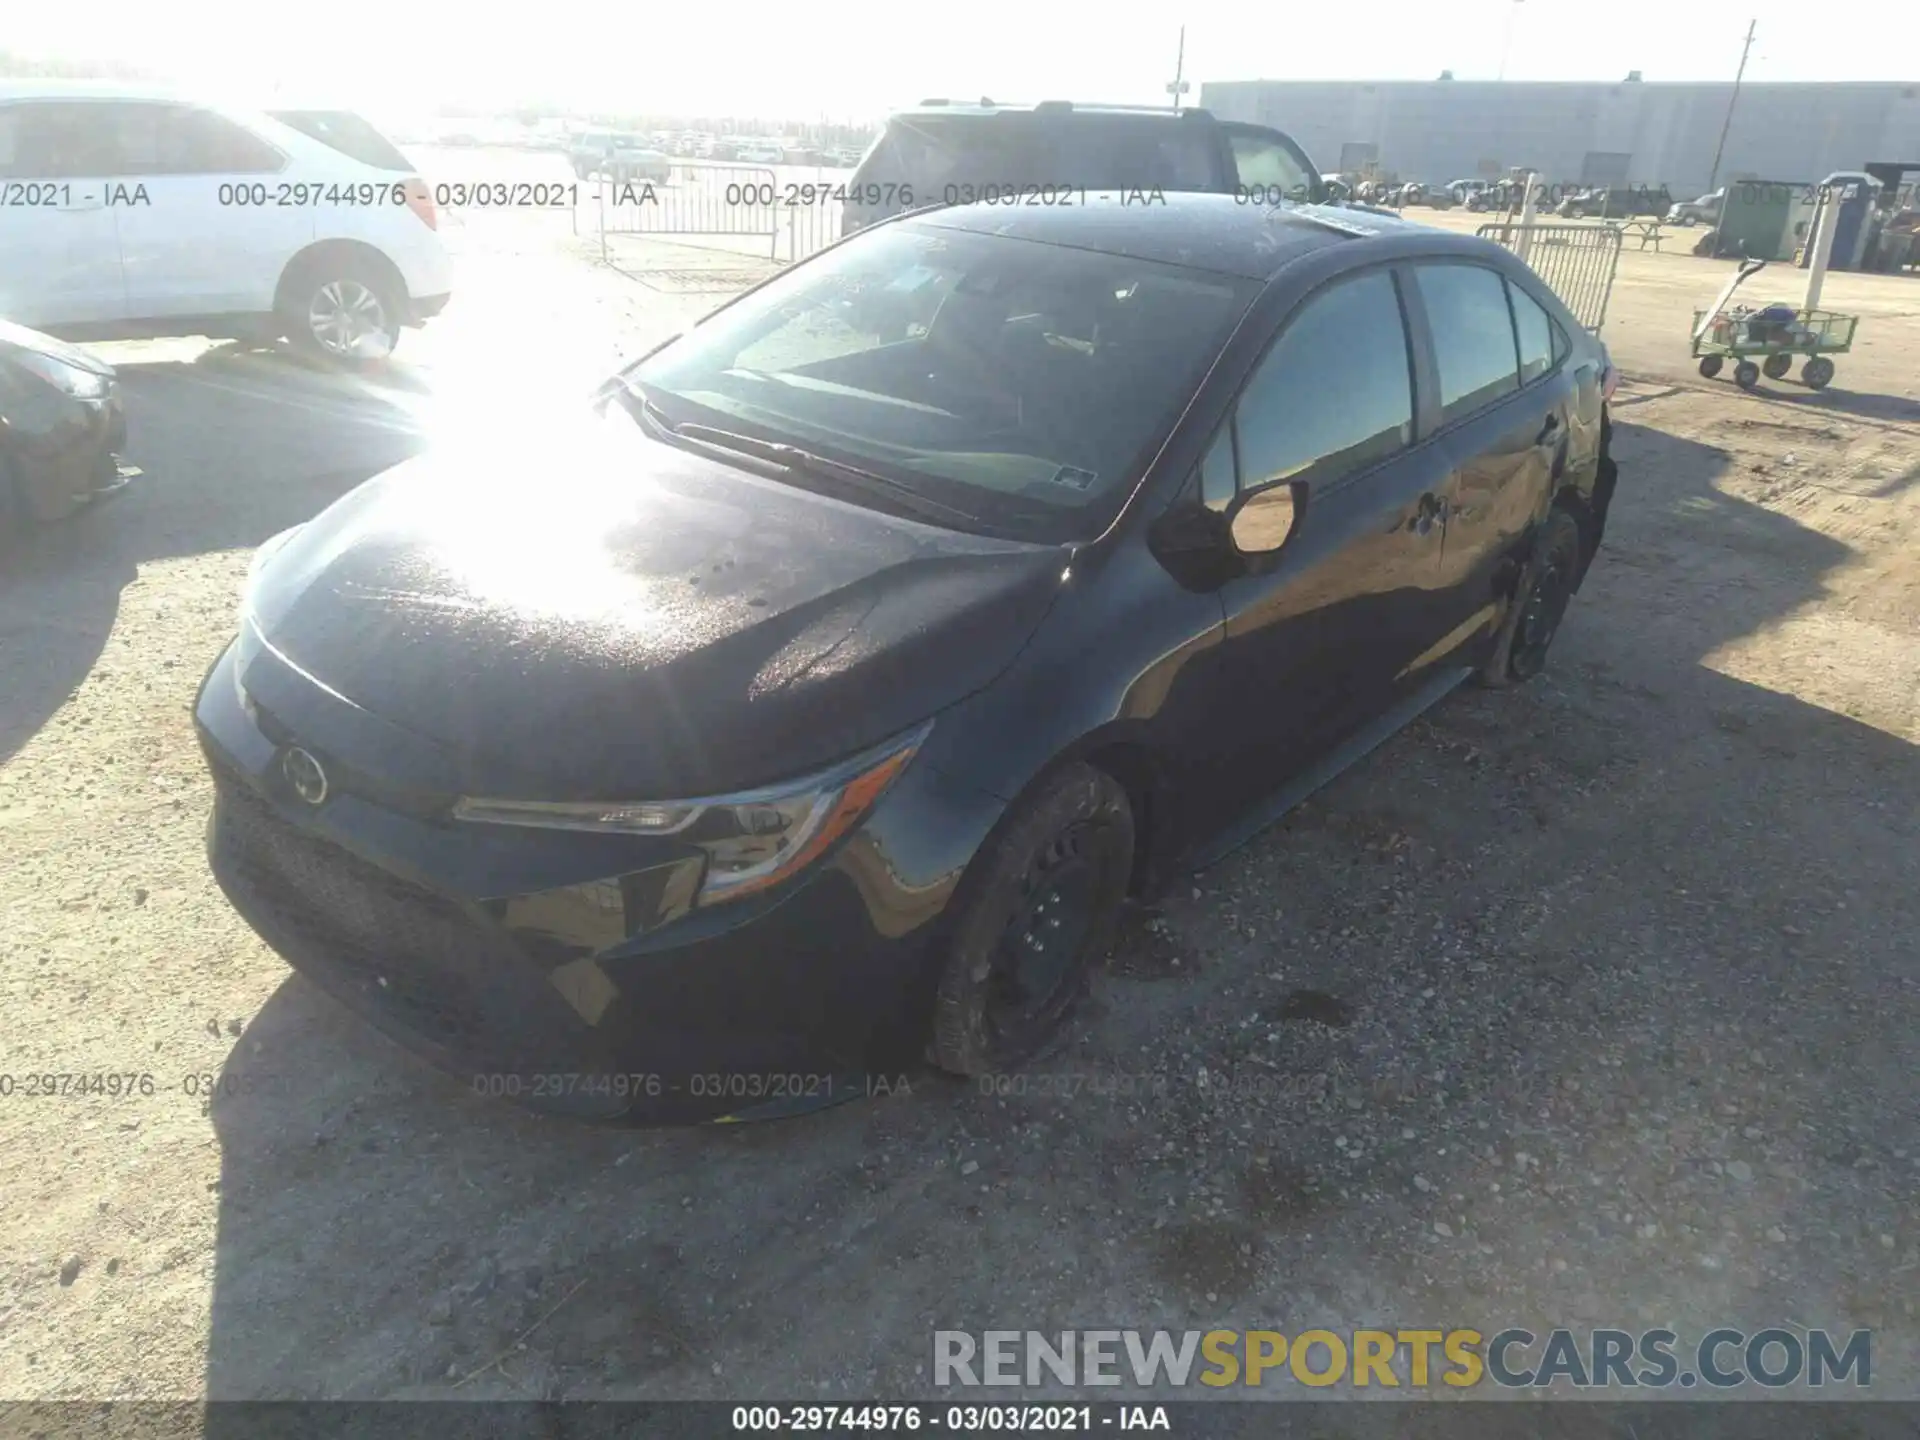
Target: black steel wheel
[
  {"x": 1746, "y": 374},
  {"x": 1710, "y": 365},
  {"x": 1538, "y": 606},
  {"x": 1775, "y": 367},
  {"x": 1817, "y": 372},
  {"x": 1040, "y": 913}
]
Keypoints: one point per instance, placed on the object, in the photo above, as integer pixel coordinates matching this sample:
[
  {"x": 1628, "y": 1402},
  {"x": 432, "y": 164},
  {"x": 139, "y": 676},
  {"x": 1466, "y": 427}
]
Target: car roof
[
  {"x": 64, "y": 89},
  {"x": 985, "y": 107},
  {"x": 1219, "y": 233}
]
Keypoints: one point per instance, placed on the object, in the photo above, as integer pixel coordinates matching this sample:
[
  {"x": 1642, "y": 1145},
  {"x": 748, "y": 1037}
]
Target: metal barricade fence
[
  {"x": 1577, "y": 262},
  {"x": 794, "y": 217}
]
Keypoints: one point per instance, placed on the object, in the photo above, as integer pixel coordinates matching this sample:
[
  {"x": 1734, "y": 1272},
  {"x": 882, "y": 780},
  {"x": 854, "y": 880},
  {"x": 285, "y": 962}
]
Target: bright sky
[{"x": 856, "y": 58}]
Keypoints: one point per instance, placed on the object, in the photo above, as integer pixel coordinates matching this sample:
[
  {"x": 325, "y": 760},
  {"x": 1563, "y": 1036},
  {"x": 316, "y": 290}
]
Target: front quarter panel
[{"x": 1120, "y": 662}]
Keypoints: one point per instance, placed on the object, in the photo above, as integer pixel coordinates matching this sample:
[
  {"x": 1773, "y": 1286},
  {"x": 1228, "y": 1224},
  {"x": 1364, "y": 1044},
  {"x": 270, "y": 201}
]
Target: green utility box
[{"x": 1757, "y": 219}]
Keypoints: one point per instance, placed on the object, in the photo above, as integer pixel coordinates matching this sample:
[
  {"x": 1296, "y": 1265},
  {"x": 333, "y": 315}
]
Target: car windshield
[
  {"x": 348, "y": 133},
  {"x": 1023, "y": 383}
]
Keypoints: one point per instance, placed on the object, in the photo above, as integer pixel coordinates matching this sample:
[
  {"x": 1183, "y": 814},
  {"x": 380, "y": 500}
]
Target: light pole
[
  {"x": 1506, "y": 48},
  {"x": 1178, "y": 87},
  {"x": 1732, "y": 100}
]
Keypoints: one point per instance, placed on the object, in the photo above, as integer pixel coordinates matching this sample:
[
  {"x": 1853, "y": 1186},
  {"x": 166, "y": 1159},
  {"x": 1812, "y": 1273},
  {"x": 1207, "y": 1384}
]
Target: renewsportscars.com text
[{"x": 1513, "y": 1358}]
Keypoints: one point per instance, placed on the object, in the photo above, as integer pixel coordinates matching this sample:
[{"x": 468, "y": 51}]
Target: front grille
[{"x": 423, "y": 962}]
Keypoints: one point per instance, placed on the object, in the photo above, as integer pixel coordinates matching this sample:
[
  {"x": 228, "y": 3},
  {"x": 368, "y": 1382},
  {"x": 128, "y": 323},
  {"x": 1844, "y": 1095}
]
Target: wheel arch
[{"x": 322, "y": 255}]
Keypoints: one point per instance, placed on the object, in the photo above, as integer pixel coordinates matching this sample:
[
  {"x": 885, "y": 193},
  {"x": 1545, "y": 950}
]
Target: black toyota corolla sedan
[{"x": 814, "y": 704}]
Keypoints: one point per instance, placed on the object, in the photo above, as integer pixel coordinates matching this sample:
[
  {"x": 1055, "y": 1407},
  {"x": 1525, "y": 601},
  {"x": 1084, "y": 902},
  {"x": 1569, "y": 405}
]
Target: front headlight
[
  {"x": 67, "y": 379},
  {"x": 753, "y": 839}
]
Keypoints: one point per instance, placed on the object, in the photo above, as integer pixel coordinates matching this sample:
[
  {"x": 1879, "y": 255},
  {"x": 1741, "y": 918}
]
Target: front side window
[
  {"x": 1335, "y": 393},
  {"x": 1473, "y": 338},
  {"x": 1266, "y": 165},
  {"x": 59, "y": 140},
  {"x": 1027, "y": 384}
]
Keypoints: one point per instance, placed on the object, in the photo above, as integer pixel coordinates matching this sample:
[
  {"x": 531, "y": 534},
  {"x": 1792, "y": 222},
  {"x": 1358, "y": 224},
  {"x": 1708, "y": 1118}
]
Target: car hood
[
  {"x": 18, "y": 337},
  {"x": 608, "y": 616}
]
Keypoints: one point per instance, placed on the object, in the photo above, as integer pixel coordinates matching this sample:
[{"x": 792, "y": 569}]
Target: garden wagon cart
[{"x": 1775, "y": 333}]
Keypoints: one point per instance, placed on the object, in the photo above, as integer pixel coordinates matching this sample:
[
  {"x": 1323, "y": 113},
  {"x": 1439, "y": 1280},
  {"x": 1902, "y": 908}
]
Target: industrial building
[{"x": 1574, "y": 133}]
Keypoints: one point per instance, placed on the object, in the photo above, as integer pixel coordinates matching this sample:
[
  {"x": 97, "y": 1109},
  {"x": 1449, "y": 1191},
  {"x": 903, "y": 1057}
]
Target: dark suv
[{"x": 943, "y": 152}]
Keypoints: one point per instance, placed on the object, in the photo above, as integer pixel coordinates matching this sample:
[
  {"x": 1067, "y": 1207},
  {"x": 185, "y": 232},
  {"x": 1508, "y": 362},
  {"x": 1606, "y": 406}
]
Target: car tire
[
  {"x": 1539, "y": 604},
  {"x": 1055, "y": 874},
  {"x": 344, "y": 312}
]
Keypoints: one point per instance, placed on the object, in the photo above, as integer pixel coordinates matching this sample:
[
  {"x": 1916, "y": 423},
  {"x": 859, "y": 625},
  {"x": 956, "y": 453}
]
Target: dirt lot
[{"x": 1590, "y": 1003}]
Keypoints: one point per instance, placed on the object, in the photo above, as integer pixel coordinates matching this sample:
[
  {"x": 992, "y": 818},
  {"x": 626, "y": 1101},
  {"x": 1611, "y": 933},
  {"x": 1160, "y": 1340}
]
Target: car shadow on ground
[
  {"x": 1630, "y": 897},
  {"x": 234, "y": 447}
]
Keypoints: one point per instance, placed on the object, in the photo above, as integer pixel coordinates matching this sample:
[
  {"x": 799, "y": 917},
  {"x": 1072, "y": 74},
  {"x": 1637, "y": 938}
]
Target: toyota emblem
[{"x": 304, "y": 774}]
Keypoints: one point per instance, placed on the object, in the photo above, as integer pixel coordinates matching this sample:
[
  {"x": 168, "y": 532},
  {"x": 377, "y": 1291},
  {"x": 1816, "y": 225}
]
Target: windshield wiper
[{"x": 797, "y": 461}]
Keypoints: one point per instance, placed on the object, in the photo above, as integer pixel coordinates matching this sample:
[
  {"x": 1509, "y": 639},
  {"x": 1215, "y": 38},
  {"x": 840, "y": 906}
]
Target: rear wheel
[
  {"x": 343, "y": 311},
  {"x": 1539, "y": 604},
  {"x": 1043, "y": 914},
  {"x": 1817, "y": 372},
  {"x": 1775, "y": 367},
  {"x": 1710, "y": 365},
  {"x": 1746, "y": 374}
]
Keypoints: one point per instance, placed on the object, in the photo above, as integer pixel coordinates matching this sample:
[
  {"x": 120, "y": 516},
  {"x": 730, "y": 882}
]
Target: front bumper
[
  {"x": 75, "y": 458},
  {"x": 570, "y": 972}
]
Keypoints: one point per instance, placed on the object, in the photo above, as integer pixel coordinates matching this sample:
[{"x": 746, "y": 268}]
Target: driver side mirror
[{"x": 1261, "y": 521}]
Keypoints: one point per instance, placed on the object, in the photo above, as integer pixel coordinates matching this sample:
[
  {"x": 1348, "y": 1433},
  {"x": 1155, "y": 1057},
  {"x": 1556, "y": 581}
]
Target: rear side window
[
  {"x": 1129, "y": 153},
  {"x": 1541, "y": 344},
  {"x": 1472, "y": 335},
  {"x": 349, "y": 134},
  {"x": 1335, "y": 393}
]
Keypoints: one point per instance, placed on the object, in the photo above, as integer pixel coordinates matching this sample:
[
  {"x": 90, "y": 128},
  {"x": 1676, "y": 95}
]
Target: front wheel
[
  {"x": 1042, "y": 914},
  {"x": 1775, "y": 367},
  {"x": 1538, "y": 606},
  {"x": 1710, "y": 365},
  {"x": 345, "y": 314},
  {"x": 1817, "y": 372},
  {"x": 1746, "y": 374}
]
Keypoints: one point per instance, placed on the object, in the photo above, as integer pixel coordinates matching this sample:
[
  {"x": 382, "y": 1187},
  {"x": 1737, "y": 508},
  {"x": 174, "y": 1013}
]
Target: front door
[
  {"x": 59, "y": 254},
  {"x": 1319, "y": 639}
]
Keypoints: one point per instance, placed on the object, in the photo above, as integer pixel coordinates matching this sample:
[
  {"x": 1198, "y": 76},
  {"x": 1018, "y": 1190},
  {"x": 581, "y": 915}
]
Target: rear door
[
  {"x": 1320, "y": 637},
  {"x": 208, "y": 212},
  {"x": 59, "y": 252},
  {"x": 1507, "y": 402}
]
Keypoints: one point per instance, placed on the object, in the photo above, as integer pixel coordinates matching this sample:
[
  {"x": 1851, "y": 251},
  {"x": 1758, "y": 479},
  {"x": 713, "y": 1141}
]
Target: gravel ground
[{"x": 1588, "y": 1003}]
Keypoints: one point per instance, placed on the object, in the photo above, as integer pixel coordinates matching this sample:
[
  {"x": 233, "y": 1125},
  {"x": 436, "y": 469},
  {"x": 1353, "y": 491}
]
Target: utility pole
[
  {"x": 1506, "y": 48},
  {"x": 1179, "y": 87},
  {"x": 1732, "y": 100}
]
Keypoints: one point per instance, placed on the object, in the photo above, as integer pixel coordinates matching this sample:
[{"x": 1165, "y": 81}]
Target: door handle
[{"x": 1548, "y": 430}]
